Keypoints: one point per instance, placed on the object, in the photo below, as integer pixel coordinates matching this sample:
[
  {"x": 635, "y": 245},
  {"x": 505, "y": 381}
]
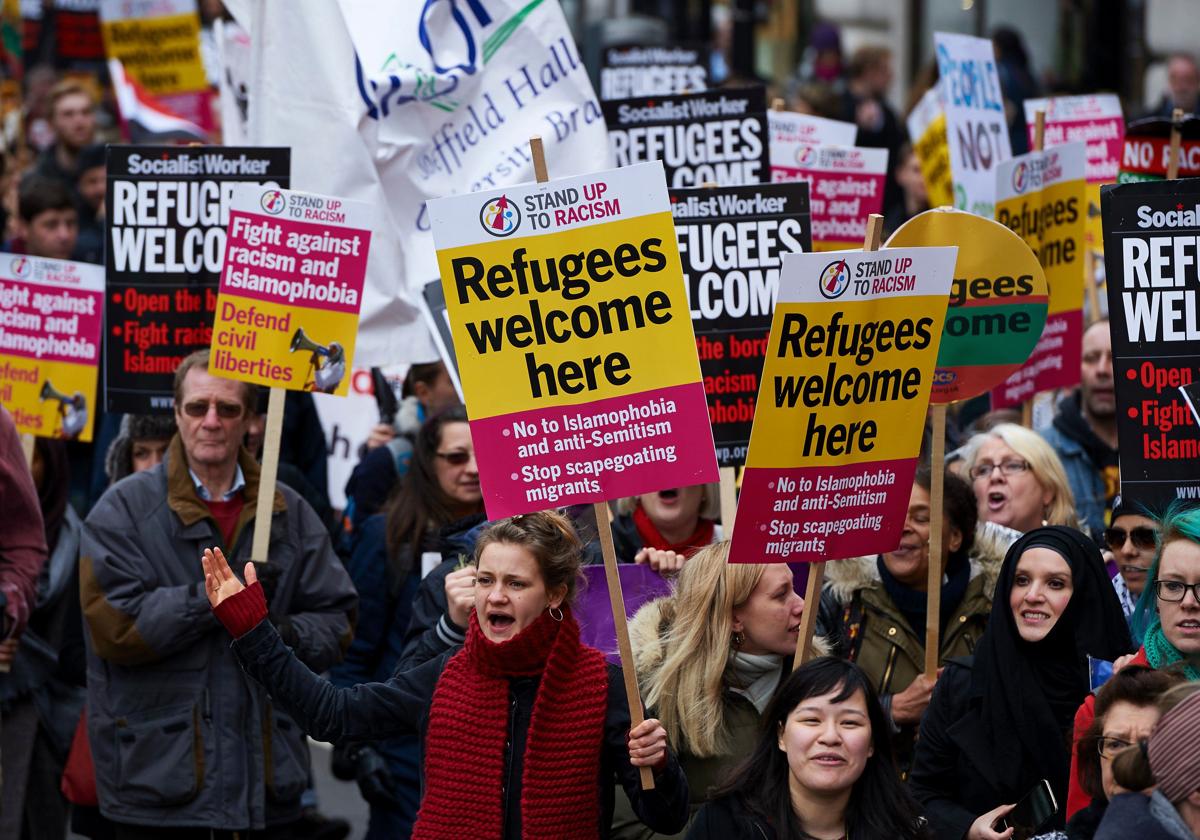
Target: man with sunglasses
[
  {"x": 1132, "y": 540},
  {"x": 184, "y": 745}
]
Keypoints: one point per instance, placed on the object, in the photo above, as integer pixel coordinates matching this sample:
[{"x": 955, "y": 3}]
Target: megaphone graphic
[
  {"x": 49, "y": 392},
  {"x": 72, "y": 409},
  {"x": 302, "y": 342},
  {"x": 326, "y": 365}
]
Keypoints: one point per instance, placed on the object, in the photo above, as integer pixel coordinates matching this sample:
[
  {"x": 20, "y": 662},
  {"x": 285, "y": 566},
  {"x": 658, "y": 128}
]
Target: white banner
[
  {"x": 976, "y": 128},
  {"x": 396, "y": 103}
]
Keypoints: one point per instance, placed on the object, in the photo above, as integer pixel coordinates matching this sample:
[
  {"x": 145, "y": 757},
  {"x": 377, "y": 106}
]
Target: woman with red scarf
[
  {"x": 525, "y": 729},
  {"x": 664, "y": 529}
]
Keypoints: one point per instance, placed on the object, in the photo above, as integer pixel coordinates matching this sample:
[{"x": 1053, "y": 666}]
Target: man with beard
[{"x": 1084, "y": 431}]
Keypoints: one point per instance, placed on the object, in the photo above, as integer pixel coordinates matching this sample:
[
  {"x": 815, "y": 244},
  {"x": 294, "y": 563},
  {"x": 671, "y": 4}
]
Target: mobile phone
[{"x": 1032, "y": 812}]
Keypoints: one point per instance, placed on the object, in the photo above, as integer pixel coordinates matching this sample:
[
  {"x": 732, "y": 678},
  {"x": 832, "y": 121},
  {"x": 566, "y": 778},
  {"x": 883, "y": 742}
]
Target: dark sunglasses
[
  {"x": 1144, "y": 537},
  {"x": 225, "y": 410},
  {"x": 456, "y": 458}
]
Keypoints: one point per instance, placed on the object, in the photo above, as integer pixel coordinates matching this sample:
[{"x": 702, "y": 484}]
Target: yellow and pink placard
[
  {"x": 291, "y": 289},
  {"x": 576, "y": 353},
  {"x": 841, "y": 408},
  {"x": 51, "y": 315}
]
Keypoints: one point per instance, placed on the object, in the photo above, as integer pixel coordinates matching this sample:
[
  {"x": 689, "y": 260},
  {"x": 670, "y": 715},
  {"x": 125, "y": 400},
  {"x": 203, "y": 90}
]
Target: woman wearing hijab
[{"x": 1001, "y": 721}]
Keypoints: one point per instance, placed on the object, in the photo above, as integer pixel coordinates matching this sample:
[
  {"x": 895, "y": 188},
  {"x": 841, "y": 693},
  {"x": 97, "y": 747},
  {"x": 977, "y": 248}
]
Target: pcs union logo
[
  {"x": 20, "y": 266},
  {"x": 834, "y": 280},
  {"x": 500, "y": 216},
  {"x": 273, "y": 202}
]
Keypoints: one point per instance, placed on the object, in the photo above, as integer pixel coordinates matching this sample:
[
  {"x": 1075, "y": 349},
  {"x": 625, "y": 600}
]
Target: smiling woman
[{"x": 822, "y": 768}]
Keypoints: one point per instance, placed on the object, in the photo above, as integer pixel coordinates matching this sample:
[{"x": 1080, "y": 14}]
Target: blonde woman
[
  {"x": 708, "y": 659},
  {"x": 1018, "y": 479}
]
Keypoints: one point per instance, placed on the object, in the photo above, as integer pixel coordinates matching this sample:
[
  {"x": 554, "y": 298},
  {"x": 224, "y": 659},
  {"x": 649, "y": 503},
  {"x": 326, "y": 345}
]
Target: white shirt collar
[{"x": 239, "y": 482}]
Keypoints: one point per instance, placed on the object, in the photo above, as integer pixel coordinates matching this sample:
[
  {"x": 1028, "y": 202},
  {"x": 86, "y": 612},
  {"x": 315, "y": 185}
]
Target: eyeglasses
[
  {"x": 1006, "y": 468},
  {"x": 1144, "y": 537},
  {"x": 1109, "y": 747},
  {"x": 1174, "y": 591},
  {"x": 456, "y": 458},
  {"x": 225, "y": 410}
]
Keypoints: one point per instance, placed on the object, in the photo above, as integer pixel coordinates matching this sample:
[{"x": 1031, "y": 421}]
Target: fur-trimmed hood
[
  {"x": 648, "y": 629},
  {"x": 845, "y": 577}
]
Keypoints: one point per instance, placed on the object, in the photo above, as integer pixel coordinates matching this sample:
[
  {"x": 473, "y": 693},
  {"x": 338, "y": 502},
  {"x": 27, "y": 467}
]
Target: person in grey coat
[{"x": 180, "y": 738}]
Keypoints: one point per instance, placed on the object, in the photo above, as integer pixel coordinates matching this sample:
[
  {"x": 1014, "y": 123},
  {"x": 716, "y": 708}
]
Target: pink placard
[
  {"x": 50, "y": 323},
  {"x": 606, "y": 449}
]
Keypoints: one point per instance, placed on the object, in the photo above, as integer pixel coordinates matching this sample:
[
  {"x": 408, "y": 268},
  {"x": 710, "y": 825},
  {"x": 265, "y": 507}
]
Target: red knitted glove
[{"x": 242, "y": 612}]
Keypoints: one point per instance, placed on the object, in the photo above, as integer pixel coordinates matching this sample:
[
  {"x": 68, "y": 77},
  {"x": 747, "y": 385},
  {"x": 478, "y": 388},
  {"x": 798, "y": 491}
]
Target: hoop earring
[
  {"x": 738, "y": 639},
  {"x": 552, "y": 611}
]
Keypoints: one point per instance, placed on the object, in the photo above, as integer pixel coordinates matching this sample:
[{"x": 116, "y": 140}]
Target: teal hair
[{"x": 1180, "y": 522}]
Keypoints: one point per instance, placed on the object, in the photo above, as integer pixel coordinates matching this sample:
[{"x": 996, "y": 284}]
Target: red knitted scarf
[
  {"x": 702, "y": 536},
  {"x": 468, "y": 726}
]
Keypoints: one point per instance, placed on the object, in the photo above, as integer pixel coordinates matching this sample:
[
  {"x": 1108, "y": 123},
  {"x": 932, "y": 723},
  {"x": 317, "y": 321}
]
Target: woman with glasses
[
  {"x": 1000, "y": 721},
  {"x": 439, "y": 500},
  {"x": 1167, "y": 617},
  {"x": 1018, "y": 479},
  {"x": 1126, "y": 711},
  {"x": 1132, "y": 538}
]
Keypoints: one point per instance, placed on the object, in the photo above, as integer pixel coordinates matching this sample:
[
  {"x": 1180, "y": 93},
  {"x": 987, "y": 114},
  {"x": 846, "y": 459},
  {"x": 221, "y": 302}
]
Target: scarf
[
  {"x": 1161, "y": 654},
  {"x": 754, "y": 676},
  {"x": 702, "y": 536},
  {"x": 1028, "y": 693},
  {"x": 469, "y": 723},
  {"x": 913, "y": 604}
]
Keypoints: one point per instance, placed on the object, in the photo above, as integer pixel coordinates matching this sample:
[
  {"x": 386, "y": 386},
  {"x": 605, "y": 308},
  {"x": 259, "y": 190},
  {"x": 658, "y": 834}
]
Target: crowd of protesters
[{"x": 156, "y": 684}]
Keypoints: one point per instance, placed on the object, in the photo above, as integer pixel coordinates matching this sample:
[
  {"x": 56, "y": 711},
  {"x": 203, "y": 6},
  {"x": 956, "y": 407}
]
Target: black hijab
[{"x": 1029, "y": 691}]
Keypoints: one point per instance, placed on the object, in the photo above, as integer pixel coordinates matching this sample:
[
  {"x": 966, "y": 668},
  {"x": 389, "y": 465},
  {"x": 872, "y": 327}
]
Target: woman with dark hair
[
  {"x": 822, "y": 768},
  {"x": 525, "y": 730},
  {"x": 1126, "y": 711},
  {"x": 1000, "y": 722},
  {"x": 873, "y": 608},
  {"x": 437, "y": 502}
]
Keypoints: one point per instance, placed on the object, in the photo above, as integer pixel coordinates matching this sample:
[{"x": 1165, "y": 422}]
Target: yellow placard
[
  {"x": 560, "y": 346},
  {"x": 933, "y": 152},
  {"x": 161, "y": 53}
]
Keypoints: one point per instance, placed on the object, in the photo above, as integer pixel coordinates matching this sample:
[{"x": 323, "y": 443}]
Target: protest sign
[
  {"x": 845, "y": 186},
  {"x": 1151, "y": 235},
  {"x": 731, "y": 241},
  {"x": 1094, "y": 119},
  {"x": 420, "y": 101},
  {"x": 66, "y": 32},
  {"x": 976, "y": 127},
  {"x": 291, "y": 287},
  {"x": 167, "y": 211},
  {"x": 50, "y": 323},
  {"x": 718, "y": 137},
  {"x": 845, "y": 387},
  {"x": 574, "y": 341},
  {"x": 639, "y": 585},
  {"x": 997, "y": 302},
  {"x": 1147, "y": 151},
  {"x": 927, "y": 128},
  {"x": 158, "y": 44},
  {"x": 1040, "y": 196},
  {"x": 792, "y": 135},
  {"x": 630, "y": 71},
  {"x": 437, "y": 318}
]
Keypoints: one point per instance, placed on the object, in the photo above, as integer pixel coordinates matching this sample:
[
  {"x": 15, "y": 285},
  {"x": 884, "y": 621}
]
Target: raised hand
[{"x": 219, "y": 580}]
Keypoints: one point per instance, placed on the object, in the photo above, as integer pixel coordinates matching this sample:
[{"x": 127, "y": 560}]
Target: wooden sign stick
[
  {"x": 728, "y": 500},
  {"x": 1176, "y": 139},
  {"x": 933, "y": 592},
  {"x": 27, "y": 442},
  {"x": 604, "y": 528},
  {"x": 777, "y": 104},
  {"x": 1039, "y": 143},
  {"x": 816, "y": 571},
  {"x": 1089, "y": 285},
  {"x": 266, "y": 476}
]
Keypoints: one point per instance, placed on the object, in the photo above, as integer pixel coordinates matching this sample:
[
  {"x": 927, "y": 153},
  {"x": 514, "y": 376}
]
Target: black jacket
[
  {"x": 401, "y": 706},
  {"x": 952, "y": 775},
  {"x": 727, "y": 819}
]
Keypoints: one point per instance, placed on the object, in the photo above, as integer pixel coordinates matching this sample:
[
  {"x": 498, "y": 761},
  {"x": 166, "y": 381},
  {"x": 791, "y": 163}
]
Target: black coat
[
  {"x": 727, "y": 819},
  {"x": 952, "y": 775},
  {"x": 401, "y": 705}
]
